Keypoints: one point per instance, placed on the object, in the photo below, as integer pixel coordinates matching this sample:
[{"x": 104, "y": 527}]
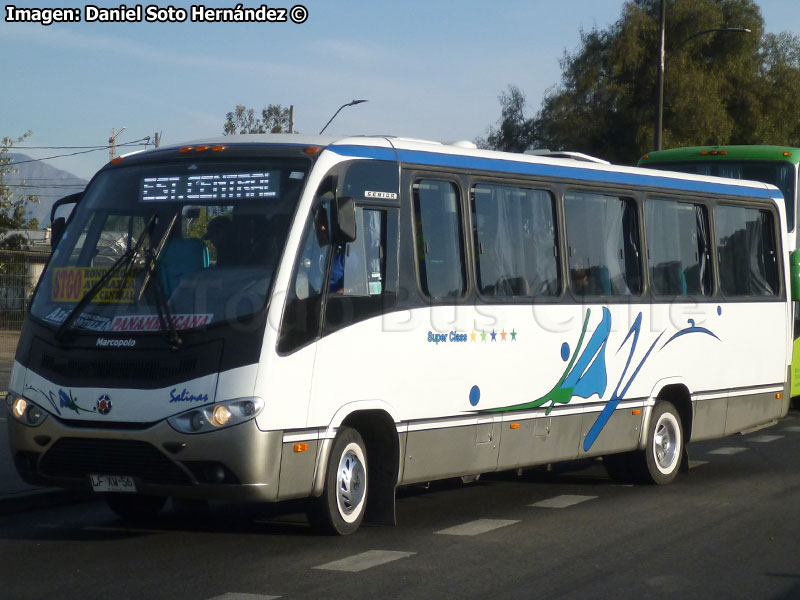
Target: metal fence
[{"x": 19, "y": 273}]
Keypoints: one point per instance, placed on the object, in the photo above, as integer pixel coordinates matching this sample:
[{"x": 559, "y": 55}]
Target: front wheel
[
  {"x": 664, "y": 450},
  {"x": 340, "y": 509}
]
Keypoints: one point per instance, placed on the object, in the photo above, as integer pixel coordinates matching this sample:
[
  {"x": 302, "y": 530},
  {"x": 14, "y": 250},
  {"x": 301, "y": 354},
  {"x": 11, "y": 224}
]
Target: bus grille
[
  {"x": 79, "y": 457},
  {"x": 152, "y": 370}
]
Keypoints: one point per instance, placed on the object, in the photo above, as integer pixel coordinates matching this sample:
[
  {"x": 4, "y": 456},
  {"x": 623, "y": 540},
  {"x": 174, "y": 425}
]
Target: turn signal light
[
  {"x": 778, "y": 396},
  {"x": 636, "y": 411},
  {"x": 300, "y": 447},
  {"x": 514, "y": 426},
  {"x": 313, "y": 150},
  {"x": 186, "y": 149}
]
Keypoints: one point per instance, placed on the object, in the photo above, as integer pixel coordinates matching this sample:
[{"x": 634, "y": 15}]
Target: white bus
[{"x": 275, "y": 317}]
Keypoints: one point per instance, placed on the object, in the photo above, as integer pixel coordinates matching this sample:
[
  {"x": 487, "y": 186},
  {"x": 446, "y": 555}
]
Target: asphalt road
[{"x": 726, "y": 529}]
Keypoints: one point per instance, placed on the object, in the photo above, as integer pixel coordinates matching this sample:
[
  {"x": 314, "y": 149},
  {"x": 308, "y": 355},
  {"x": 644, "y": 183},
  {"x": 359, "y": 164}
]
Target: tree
[
  {"x": 274, "y": 119},
  {"x": 719, "y": 88},
  {"x": 13, "y": 206}
]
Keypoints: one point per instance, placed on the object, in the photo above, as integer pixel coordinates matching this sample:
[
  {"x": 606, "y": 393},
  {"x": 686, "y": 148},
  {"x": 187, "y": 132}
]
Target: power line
[
  {"x": 106, "y": 147},
  {"x": 21, "y": 162}
]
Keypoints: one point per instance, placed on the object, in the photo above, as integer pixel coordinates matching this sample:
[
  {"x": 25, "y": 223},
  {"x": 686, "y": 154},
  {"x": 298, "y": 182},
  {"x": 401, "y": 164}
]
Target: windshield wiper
[
  {"x": 165, "y": 320},
  {"x": 128, "y": 256}
]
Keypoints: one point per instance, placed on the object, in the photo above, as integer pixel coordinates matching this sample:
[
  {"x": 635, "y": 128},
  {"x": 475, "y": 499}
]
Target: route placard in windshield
[{"x": 210, "y": 187}]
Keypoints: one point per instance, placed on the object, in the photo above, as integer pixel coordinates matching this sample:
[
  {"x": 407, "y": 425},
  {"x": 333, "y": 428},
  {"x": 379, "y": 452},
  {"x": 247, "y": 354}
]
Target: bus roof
[
  {"x": 431, "y": 153},
  {"x": 738, "y": 153}
]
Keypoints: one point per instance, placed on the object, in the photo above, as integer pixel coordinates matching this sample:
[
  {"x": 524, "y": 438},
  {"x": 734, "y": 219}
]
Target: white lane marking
[
  {"x": 365, "y": 560},
  {"x": 763, "y": 439},
  {"x": 727, "y": 450},
  {"x": 240, "y": 596},
  {"x": 562, "y": 501},
  {"x": 476, "y": 527},
  {"x": 697, "y": 463},
  {"x": 793, "y": 428},
  {"x": 121, "y": 529}
]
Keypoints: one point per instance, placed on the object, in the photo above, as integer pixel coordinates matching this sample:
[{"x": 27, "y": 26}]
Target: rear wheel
[
  {"x": 340, "y": 509},
  {"x": 664, "y": 450},
  {"x": 136, "y": 508}
]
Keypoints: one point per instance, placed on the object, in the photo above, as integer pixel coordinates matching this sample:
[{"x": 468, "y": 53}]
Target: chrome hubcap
[
  {"x": 350, "y": 483},
  {"x": 665, "y": 444}
]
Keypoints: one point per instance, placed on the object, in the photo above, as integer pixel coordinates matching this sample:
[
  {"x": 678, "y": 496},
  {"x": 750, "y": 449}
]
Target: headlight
[
  {"x": 217, "y": 416},
  {"x": 24, "y": 411}
]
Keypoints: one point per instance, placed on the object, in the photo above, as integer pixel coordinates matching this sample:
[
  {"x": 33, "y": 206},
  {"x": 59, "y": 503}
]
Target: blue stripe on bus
[{"x": 475, "y": 163}]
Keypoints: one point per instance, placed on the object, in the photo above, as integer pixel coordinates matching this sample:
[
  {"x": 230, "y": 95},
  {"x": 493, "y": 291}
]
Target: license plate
[{"x": 112, "y": 483}]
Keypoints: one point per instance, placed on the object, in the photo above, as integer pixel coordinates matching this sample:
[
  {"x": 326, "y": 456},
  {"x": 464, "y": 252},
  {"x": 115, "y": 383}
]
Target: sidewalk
[{"x": 16, "y": 495}]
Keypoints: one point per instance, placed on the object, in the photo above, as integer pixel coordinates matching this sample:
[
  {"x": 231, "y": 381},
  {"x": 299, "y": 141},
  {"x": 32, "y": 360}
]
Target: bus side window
[
  {"x": 363, "y": 275},
  {"x": 515, "y": 241},
  {"x": 603, "y": 241},
  {"x": 677, "y": 248},
  {"x": 301, "y": 316},
  {"x": 746, "y": 251},
  {"x": 440, "y": 241}
]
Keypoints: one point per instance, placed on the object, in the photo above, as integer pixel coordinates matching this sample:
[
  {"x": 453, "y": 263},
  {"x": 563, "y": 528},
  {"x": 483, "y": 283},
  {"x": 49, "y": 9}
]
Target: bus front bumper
[{"x": 236, "y": 463}]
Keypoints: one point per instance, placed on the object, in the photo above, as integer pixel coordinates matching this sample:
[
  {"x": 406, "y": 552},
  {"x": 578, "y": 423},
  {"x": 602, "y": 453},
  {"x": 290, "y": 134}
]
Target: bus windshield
[
  {"x": 780, "y": 174},
  {"x": 197, "y": 241}
]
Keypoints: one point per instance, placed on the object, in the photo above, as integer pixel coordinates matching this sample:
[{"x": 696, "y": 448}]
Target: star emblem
[
  {"x": 513, "y": 336},
  {"x": 494, "y": 335},
  {"x": 472, "y": 336},
  {"x": 503, "y": 335},
  {"x": 483, "y": 336}
]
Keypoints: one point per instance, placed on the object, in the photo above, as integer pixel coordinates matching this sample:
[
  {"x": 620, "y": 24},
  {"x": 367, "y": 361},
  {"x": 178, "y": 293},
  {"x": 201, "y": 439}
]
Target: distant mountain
[{"x": 44, "y": 181}]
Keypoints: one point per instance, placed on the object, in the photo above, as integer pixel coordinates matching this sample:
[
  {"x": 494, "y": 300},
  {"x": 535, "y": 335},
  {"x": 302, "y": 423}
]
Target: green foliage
[
  {"x": 719, "y": 88},
  {"x": 274, "y": 119},
  {"x": 13, "y": 206}
]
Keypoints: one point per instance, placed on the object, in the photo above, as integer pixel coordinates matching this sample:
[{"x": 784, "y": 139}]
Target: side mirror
[
  {"x": 794, "y": 275},
  {"x": 57, "y": 231},
  {"x": 345, "y": 219},
  {"x": 57, "y": 225}
]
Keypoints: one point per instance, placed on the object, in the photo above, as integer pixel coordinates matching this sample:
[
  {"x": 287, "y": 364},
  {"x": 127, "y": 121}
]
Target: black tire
[
  {"x": 661, "y": 459},
  {"x": 135, "y": 508},
  {"x": 341, "y": 508}
]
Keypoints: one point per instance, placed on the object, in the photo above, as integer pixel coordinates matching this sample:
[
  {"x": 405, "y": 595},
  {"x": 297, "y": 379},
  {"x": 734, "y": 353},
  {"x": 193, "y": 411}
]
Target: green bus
[{"x": 777, "y": 165}]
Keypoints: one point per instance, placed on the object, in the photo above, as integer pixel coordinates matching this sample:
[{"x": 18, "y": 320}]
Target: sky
[{"x": 429, "y": 69}]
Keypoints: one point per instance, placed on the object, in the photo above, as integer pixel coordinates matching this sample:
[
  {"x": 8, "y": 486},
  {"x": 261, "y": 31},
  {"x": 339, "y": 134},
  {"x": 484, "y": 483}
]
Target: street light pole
[
  {"x": 660, "y": 85},
  {"x": 661, "y": 59},
  {"x": 353, "y": 103}
]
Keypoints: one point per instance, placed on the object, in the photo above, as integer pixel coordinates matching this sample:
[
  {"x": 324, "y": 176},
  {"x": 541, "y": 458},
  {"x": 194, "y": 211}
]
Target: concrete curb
[{"x": 38, "y": 499}]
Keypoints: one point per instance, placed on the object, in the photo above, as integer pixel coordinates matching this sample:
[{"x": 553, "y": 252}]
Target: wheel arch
[
  {"x": 676, "y": 391},
  {"x": 378, "y": 429}
]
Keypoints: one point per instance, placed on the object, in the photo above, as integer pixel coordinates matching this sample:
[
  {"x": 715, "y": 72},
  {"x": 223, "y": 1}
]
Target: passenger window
[
  {"x": 440, "y": 248},
  {"x": 603, "y": 241},
  {"x": 677, "y": 248},
  {"x": 746, "y": 250},
  {"x": 515, "y": 241}
]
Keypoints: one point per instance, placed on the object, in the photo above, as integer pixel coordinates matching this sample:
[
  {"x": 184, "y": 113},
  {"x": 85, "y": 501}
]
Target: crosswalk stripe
[
  {"x": 240, "y": 596},
  {"x": 363, "y": 561},
  {"x": 763, "y": 439},
  {"x": 562, "y": 501},
  {"x": 727, "y": 450},
  {"x": 476, "y": 527}
]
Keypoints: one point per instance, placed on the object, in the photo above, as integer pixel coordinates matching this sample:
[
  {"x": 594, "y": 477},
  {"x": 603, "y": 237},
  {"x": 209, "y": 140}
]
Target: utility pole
[
  {"x": 112, "y": 142},
  {"x": 158, "y": 139},
  {"x": 291, "y": 118}
]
